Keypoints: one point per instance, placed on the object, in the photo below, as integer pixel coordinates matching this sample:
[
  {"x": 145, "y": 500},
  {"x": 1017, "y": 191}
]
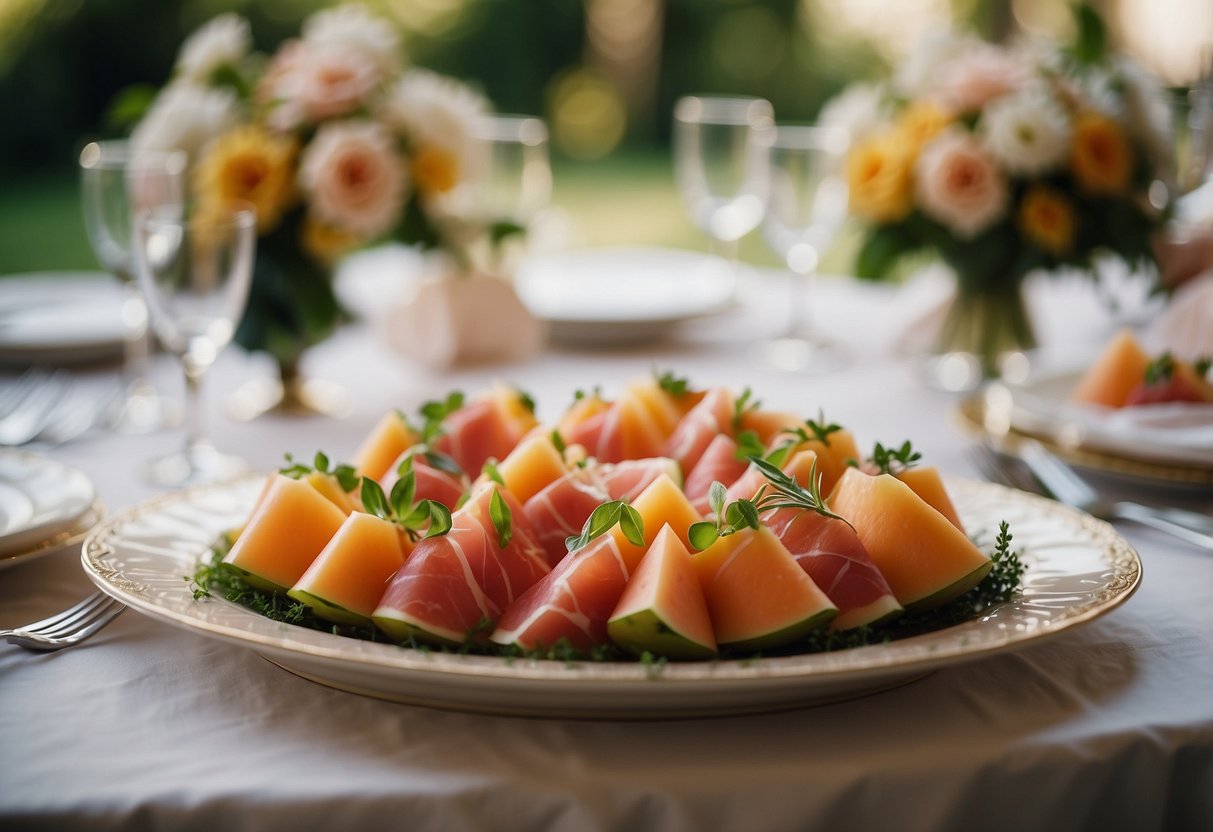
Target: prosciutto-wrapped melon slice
[
  {"x": 486, "y": 428},
  {"x": 432, "y": 483},
  {"x": 1115, "y": 373},
  {"x": 290, "y": 527},
  {"x": 835, "y": 448},
  {"x": 711, "y": 417},
  {"x": 575, "y": 600},
  {"x": 346, "y": 580},
  {"x": 757, "y": 595},
  {"x": 457, "y": 585},
  {"x": 926, "y": 560},
  {"x": 719, "y": 463},
  {"x": 571, "y": 603},
  {"x": 532, "y": 466},
  {"x": 662, "y": 609},
  {"x": 560, "y": 510}
]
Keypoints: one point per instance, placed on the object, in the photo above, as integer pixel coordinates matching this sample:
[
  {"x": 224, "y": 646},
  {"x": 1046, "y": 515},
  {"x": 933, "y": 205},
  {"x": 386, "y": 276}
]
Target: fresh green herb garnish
[
  {"x": 435, "y": 412},
  {"x": 1161, "y": 369},
  {"x": 818, "y": 429},
  {"x": 672, "y": 384},
  {"x": 748, "y": 445},
  {"x": 895, "y": 460},
  {"x": 400, "y": 509},
  {"x": 738, "y": 515},
  {"x": 526, "y": 400},
  {"x": 490, "y": 470},
  {"x": 786, "y": 492},
  {"x": 558, "y": 443},
  {"x": 1202, "y": 365},
  {"x": 345, "y": 475},
  {"x": 499, "y": 513},
  {"x": 743, "y": 405},
  {"x": 603, "y": 518}
]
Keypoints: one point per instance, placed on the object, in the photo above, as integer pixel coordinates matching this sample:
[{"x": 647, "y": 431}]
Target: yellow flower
[
  {"x": 880, "y": 178},
  {"x": 251, "y": 165},
  {"x": 921, "y": 122},
  {"x": 435, "y": 171},
  {"x": 1102, "y": 160},
  {"x": 1047, "y": 219},
  {"x": 324, "y": 242}
]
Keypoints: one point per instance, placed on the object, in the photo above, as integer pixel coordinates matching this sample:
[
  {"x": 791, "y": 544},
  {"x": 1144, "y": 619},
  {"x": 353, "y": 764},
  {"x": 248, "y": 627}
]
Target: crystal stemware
[
  {"x": 721, "y": 145},
  {"x": 116, "y": 182},
  {"x": 807, "y": 204},
  {"x": 194, "y": 271}
]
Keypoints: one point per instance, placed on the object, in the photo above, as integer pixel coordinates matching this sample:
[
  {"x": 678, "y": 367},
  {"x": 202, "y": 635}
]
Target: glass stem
[
  {"x": 195, "y": 430},
  {"x": 800, "y": 321},
  {"x": 137, "y": 347}
]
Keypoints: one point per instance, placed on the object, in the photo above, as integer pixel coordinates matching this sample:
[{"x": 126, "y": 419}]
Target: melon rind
[
  {"x": 645, "y": 631},
  {"x": 326, "y": 609},
  {"x": 399, "y": 627},
  {"x": 795, "y": 631}
]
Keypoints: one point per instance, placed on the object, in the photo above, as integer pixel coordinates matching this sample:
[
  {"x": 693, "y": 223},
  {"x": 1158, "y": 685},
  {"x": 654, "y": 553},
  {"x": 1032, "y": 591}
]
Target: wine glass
[
  {"x": 721, "y": 146},
  {"x": 806, "y": 205},
  {"x": 515, "y": 183},
  {"x": 116, "y": 182},
  {"x": 194, "y": 271}
]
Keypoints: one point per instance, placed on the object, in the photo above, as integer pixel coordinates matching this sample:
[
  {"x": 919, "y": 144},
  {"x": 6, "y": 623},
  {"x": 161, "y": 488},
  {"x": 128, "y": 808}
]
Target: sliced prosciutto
[
  {"x": 706, "y": 420},
  {"x": 432, "y": 483},
  {"x": 561, "y": 509},
  {"x": 474, "y": 433},
  {"x": 456, "y": 585},
  {"x": 719, "y": 463},
  {"x": 831, "y": 552},
  {"x": 571, "y": 603},
  {"x": 629, "y": 431}
]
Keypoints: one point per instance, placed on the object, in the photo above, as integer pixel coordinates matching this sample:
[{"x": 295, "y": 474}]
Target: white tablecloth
[{"x": 147, "y": 726}]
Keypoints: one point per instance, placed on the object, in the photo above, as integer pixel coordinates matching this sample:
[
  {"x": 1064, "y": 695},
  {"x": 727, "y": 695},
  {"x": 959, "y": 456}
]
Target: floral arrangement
[
  {"x": 1003, "y": 160},
  {"x": 334, "y": 141}
]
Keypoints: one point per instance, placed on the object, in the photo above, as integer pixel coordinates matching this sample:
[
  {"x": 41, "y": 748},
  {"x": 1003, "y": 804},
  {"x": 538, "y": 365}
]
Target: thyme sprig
[
  {"x": 818, "y": 429},
  {"x": 742, "y": 405},
  {"x": 674, "y": 385},
  {"x": 893, "y": 460}
]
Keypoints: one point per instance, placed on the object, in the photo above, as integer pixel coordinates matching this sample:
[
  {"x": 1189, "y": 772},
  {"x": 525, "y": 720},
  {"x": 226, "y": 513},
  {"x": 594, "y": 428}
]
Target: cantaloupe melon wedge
[
  {"x": 928, "y": 484},
  {"x": 629, "y": 432},
  {"x": 346, "y": 580},
  {"x": 758, "y": 596},
  {"x": 924, "y": 557},
  {"x": 662, "y": 609},
  {"x": 531, "y": 466},
  {"x": 833, "y": 455},
  {"x": 1117, "y": 370},
  {"x": 285, "y": 534},
  {"x": 326, "y": 484},
  {"x": 662, "y": 503},
  {"x": 390, "y": 437},
  {"x": 767, "y": 423}
]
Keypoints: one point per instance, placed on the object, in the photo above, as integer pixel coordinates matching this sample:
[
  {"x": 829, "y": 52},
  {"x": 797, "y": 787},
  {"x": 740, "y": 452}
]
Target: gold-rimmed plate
[
  {"x": 988, "y": 414},
  {"x": 1079, "y": 569}
]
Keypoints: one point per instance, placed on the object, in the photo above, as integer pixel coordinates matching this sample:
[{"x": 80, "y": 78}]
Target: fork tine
[
  {"x": 112, "y": 612},
  {"x": 77, "y": 622},
  {"x": 83, "y": 606},
  {"x": 45, "y": 644}
]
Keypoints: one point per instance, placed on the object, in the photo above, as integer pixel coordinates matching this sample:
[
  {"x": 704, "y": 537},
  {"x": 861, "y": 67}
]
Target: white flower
[
  {"x": 354, "y": 177},
  {"x": 185, "y": 116},
  {"x": 353, "y": 29},
  {"x": 224, "y": 41},
  {"x": 958, "y": 184},
  {"x": 1027, "y": 132},
  {"x": 439, "y": 116},
  {"x": 857, "y": 110}
]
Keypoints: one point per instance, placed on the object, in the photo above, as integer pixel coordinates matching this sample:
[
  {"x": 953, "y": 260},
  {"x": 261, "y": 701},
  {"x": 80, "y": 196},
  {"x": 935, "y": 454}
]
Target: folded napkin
[{"x": 1185, "y": 325}]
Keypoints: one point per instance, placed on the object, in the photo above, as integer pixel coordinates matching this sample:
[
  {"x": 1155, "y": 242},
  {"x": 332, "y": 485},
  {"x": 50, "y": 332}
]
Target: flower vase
[{"x": 986, "y": 334}]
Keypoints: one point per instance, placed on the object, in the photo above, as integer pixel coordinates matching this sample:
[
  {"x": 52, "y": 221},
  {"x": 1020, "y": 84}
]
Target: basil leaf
[
  {"x": 440, "y": 518},
  {"x": 347, "y": 477},
  {"x": 321, "y": 462},
  {"x": 403, "y": 491},
  {"x": 490, "y": 471},
  {"x": 632, "y": 525},
  {"x": 702, "y": 534},
  {"x": 499, "y": 513},
  {"x": 373, "y": 499}
]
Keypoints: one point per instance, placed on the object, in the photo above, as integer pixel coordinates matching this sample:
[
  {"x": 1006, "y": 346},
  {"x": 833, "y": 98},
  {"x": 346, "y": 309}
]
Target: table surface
[{"x": 147, "y": 726}]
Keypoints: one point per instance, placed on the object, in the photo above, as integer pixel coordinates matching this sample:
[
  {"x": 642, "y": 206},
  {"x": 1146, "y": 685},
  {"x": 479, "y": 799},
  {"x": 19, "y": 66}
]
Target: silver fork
[
  {"x": 1050, "y": 476},
  {"x": 69, "y": 627}
]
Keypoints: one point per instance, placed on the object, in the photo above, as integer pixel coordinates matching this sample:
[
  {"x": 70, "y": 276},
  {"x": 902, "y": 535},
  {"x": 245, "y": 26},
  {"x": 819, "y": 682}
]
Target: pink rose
[
  {"x": 977, "y": 76},
  {"x": 957, "y": 184},
  {"x": 309, "y": 83},
  {"x": 354, "y": 177}
]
